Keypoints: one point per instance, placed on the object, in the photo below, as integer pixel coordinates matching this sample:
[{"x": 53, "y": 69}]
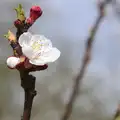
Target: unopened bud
[
  {"x": 35, "y": 12},
  {"x": 29, "y": 21},
  {"x": 10, "y": 36},
  {"x": 17, "y": 23},
  {"x": 12, "y": 62}
]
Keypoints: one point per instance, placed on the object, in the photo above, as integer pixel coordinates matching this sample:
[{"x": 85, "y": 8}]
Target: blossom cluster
[
  {"x": 31, "y": 51},
  {"x": 36, "y": 48}
]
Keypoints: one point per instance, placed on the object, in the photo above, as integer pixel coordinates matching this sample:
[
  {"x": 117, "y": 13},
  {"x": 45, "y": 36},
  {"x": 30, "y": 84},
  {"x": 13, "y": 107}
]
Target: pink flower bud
[
  {"x": 35, "y": 13},
  {"x": 29, "y": 21},
  {"x": 17, "y": 23}
]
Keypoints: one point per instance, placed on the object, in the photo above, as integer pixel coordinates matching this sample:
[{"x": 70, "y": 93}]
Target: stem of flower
[
  {"x": 28, "y": 84},
  {"x": 27, "y": 80}
]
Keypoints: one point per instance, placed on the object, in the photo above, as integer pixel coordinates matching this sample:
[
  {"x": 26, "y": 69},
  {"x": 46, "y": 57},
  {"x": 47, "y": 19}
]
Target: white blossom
[{"x": 38, "y": 49}]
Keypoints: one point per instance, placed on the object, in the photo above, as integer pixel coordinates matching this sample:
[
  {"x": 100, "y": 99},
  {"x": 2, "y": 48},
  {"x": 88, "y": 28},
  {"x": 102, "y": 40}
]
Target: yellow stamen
[{"x": 36, "y": 46}]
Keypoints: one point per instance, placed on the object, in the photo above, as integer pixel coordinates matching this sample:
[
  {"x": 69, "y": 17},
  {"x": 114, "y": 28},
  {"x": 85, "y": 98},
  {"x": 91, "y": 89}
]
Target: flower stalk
[{"x": 24, "y": 67}]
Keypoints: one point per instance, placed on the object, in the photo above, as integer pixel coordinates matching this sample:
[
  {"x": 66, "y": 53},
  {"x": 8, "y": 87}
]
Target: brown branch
[
  {"x": 27, "y": 81},
  {"x": 85, "y": 62},
  {"x": 28, "y": 84}
]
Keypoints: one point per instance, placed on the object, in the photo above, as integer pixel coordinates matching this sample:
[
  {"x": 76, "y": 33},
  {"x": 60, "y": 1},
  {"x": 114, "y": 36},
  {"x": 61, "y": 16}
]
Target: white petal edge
[
  {"x": 37, "y": 62},
  {"x": 25, "y": 39},
  {"x": 38, "y": 37},
  {"x": 52, "y": 57}
]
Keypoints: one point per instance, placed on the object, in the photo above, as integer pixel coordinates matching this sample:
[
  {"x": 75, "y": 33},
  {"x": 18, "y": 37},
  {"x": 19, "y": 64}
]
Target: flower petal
[
  {"x": 27, "y": 51},
  {"x": 38, "y": 37},
  {"x": 48, "y": 57},
  {"x": 25, "y": 39},
  {"x": 37, "y": 62},
  {"x": 52, "y": 55},
  {"x": 42, "y": 40}
]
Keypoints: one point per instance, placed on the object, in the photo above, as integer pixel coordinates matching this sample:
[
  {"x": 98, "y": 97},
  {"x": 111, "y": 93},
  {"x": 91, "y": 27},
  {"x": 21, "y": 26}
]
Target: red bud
[
  {"x": 35, "y": 13},
  {"x": 29, "y": 21},
  {"x": 17, "y": 23}
]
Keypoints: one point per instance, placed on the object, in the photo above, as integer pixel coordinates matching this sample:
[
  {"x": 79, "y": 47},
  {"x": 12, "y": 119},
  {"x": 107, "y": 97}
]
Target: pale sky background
[{"x": 67, "y": 23}]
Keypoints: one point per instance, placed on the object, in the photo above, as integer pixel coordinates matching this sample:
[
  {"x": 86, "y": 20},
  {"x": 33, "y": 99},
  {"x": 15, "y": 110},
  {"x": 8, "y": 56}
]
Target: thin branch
[
  {"x": 85, "y": 62},
  {"x": 117, "y": 114},
  {"x": 27, "y": 81}
]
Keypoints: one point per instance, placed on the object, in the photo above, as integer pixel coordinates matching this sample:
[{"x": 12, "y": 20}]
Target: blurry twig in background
[
  {"x": 117, "y": 114},
  {"x": 86, "y": 59}
]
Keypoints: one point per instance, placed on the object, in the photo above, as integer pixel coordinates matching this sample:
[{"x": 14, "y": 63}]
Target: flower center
[
  {"x": 36, "y": 46},
  {"x": 40, "y": 47}
]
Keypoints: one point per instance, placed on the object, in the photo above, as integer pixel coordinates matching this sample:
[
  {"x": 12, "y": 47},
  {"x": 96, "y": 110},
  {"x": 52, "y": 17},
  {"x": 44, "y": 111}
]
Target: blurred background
[{"x": 67, "y": 23}]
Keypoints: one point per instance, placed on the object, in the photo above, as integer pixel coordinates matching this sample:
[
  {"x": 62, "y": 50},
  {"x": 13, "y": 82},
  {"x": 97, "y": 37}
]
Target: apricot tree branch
[
  {"x": 117, "y": 114},
  {"x": 27, "y": 81},
  {"x": 86, "y": 59}
]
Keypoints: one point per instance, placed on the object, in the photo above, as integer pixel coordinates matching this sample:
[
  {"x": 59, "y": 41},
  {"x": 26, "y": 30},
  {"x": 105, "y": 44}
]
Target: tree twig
[
  {"x": 86, "y": 59},
  {"x": 27, "y": 81},
  {"x": 28, "y": 84},
  {"x": 117, "y": 114}
]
